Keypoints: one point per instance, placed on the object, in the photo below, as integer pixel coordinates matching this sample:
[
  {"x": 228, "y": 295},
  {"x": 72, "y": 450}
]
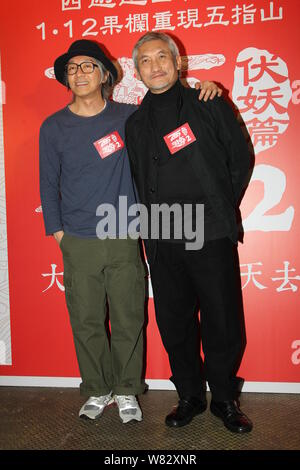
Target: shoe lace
[
  {"x": 125, "y": 401},
  {"x": 102, "y": 400}
]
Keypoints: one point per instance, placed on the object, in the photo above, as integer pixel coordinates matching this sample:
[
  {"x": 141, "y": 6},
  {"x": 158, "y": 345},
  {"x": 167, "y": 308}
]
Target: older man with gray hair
[{"x": 192, "y": 153}]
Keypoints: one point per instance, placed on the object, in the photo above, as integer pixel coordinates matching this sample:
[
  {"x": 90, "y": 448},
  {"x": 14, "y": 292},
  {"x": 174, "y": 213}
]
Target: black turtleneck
[
  {"x": 177, "y": 182},
  {"x": 165, "y": 109}
]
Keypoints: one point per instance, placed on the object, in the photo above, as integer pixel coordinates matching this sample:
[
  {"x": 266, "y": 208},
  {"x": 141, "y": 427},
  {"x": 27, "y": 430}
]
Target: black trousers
[{"x": 182, "y": 282}]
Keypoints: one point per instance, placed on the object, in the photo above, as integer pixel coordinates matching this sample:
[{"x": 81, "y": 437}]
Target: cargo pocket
[{"x": 68, "y": 280}]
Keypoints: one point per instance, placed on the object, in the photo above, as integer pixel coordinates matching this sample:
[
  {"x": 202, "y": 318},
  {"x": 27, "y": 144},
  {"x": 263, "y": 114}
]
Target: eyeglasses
[{"x": 85, "y": 67}]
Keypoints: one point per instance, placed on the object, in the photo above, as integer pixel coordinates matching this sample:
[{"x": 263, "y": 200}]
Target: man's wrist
[{"x": 58, "y": 235}]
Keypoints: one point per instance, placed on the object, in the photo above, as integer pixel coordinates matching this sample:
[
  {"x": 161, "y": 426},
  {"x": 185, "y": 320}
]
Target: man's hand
[
  {"x": 58, "y": 236},
  {"x": 208, "y": 90}
]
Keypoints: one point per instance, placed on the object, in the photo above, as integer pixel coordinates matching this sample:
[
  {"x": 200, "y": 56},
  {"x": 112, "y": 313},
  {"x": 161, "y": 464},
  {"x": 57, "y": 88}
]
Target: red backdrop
[{"x": 251, "y": 49}]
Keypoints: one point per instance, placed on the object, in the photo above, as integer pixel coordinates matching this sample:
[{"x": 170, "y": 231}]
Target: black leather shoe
[
  {"x": 187, "y": 408},
  {"x": 231, "y": 415}
]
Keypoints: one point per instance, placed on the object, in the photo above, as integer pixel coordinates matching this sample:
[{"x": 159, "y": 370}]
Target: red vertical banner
[{"x": 250, "y": 48}]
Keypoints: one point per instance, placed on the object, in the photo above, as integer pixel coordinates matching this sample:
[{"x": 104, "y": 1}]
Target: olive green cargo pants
[{"x": 96, "y": 273}]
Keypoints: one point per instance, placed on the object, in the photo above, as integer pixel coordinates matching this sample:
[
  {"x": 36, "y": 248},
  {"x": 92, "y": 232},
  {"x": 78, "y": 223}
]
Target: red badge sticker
[
  {"x": 109, "y": 144},
  {"x": 179, "y": 138}
]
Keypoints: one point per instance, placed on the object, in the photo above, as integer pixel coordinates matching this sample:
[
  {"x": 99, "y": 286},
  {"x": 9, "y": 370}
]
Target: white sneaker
[
  {"x": 94, "y": 406},
  {"x": 129, "y": 408}
]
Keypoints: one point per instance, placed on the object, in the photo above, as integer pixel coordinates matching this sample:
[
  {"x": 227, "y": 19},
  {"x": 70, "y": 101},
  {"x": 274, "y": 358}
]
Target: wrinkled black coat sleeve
[{"x": 233, "y": 139}]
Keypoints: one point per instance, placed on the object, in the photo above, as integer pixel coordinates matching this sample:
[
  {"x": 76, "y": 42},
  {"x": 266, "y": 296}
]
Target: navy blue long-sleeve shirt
[{"x": 74, "y": 179}]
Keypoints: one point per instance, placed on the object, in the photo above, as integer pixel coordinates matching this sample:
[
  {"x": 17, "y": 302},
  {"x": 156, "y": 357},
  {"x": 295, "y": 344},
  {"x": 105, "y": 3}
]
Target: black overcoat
[{"x": 219, "y": 157}]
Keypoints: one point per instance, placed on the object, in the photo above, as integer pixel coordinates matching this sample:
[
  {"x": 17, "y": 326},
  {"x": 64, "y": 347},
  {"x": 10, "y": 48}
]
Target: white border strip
[
  {"x": 5, "y": 337},
  {"x": 73, "y": 382}
]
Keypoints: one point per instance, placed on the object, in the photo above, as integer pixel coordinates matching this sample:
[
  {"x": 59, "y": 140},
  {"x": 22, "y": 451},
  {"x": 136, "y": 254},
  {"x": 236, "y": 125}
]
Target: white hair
[{"x": 153, "y": 36}]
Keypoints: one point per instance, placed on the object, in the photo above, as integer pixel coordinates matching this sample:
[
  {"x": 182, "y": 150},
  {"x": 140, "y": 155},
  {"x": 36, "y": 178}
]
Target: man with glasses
[{"x": 83, "y": 164}]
